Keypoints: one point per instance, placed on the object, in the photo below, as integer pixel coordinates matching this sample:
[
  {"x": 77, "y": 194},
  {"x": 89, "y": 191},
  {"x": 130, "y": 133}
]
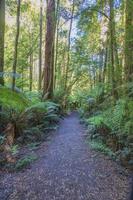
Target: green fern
[
  {"x": 96, "y": 120},
  {"x": 46, "y": 107},
  {"x": 13, "y": 100},
  {"x": 100, "y": 146}
]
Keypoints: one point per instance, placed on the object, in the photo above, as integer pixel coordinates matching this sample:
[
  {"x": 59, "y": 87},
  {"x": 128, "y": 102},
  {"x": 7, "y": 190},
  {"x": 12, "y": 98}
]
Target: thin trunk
[
  {"x": 22, "y": 71},
  {"x": 111, "y": 26},
  {"x": 105, "y": 64},
  {"x": 16, "y": 45},
  {"x": 31, "y": 72},
  {"x": 69, "y": 45},
  {"x": 57, "y": 41},
  {"x": 101, "y": 65},
  {"x": 49, "y": 50},
  {"x": 2, "y": 33},
  {"x": 40, "y": 49}
]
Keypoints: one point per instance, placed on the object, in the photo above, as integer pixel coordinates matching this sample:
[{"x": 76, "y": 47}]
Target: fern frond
[{"x": 11, "y": 99}]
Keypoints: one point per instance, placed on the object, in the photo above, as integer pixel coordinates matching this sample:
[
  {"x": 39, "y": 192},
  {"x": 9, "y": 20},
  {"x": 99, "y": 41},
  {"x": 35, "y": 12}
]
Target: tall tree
[
  {"x": 40, "y": 48},
  {"x": 31, "y": 72},
  {"x": 112, "y": 52},
  {"x": 56, "y": 40},
  {"x": 129, "y": 41},
  {"x": 16, "y": 44},
  {"x": 2, "y": 32},
  {"x": 69, "y": 45},
  {"x": 49, "y": 50}
]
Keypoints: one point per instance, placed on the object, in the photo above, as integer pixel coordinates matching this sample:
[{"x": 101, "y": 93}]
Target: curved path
[{"x": 67, "y": 169}]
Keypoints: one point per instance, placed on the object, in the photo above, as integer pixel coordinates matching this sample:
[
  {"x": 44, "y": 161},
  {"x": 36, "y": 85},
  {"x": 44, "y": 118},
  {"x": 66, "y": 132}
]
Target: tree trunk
[
  {"x": 16, "y": 45},
  {"x": 112, "y": 53},
  {"x": 105, "y": 65},
  {"x": 129, "y": 41},
  {"x": 40, "y": 49},
  {"x": 69, "y": 45},
  {"x": 31, "y": 72},
  {"x": 49, "y": 50},
  {"x": 2, "y": 33},
  {"x": 57, "y": 41}
]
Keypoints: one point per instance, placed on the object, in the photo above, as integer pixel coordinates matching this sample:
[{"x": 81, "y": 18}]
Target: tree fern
[{"x": 13, "y": 100}]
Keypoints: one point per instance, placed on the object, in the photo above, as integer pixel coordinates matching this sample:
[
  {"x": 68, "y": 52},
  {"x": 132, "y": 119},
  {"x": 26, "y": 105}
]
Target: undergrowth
[
  {"x": 100, "y": 146},
  {"x": 30, "y": 120},
  {"x": 110, "y": 124}
]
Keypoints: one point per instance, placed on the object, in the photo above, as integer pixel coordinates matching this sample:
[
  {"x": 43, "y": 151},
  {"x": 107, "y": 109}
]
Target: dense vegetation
[{"x": 62, "y": 56}]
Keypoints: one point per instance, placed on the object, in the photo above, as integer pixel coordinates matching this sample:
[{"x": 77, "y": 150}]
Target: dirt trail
[{"x": 67, "y": 169}]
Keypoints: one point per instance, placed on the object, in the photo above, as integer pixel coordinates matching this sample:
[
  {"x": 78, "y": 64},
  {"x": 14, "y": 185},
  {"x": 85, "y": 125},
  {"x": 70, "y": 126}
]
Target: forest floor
[{"x": 67, "y": 169}]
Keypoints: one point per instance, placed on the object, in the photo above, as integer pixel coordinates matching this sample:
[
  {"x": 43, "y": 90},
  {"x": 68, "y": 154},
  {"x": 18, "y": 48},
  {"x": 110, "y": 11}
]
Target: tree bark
[
  {"x": 2, "y": 33},
  {"x": 105, "y": 65},
  {"x": 49, "y": 50},
  {"x": 57, "y": 41},
  {"x": 69, "y": 45},
  {"x": 40, "y": 49},
  {"x": 16, "y": 45},
  {"x": 31, "y": 72},
  {"x": 112, "y": 53}
]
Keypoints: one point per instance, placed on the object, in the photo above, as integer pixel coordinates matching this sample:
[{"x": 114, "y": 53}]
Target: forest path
[{"x": 67, "y": 170}]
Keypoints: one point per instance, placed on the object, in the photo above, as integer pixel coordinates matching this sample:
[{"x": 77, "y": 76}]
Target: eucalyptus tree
[{"x": 49, "y": 50}]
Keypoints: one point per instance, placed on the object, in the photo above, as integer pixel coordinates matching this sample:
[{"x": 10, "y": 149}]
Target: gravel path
[{"x": 67, "y": 169}]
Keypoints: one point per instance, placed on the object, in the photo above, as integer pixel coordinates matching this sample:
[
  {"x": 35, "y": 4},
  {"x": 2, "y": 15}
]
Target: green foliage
[
  {"x": 44, "y": 107},
  {"x": 119, "y": 118},
  {"x": 33, "y": 96},
  {"x": 13, "y": 100},
  {"x": 92, "y": 79},
  {"x": 24, "y": 162},
  {"x": 14, "y": 149},
  {"x": 32, "y": 134},
  {"x": 42, "y": 113},
  {"x": 59, "y": 95},
  {"x": 52, "y": 117},
  {"x": 96, "y": 120},
  {"x": 31, "y": 118},
  {"x": 111, "y": 130},
  {"x": 38, "y": 107},
  {"x": 97, "y": 91},
  {"x": 100, "y": 146}
]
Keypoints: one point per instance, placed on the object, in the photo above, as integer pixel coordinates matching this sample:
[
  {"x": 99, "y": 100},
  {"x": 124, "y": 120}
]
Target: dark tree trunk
[
  {"x": 2, "y": 33},
  {"x": 49, "y": 50},
  {"x": 16, "y": 45}
]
